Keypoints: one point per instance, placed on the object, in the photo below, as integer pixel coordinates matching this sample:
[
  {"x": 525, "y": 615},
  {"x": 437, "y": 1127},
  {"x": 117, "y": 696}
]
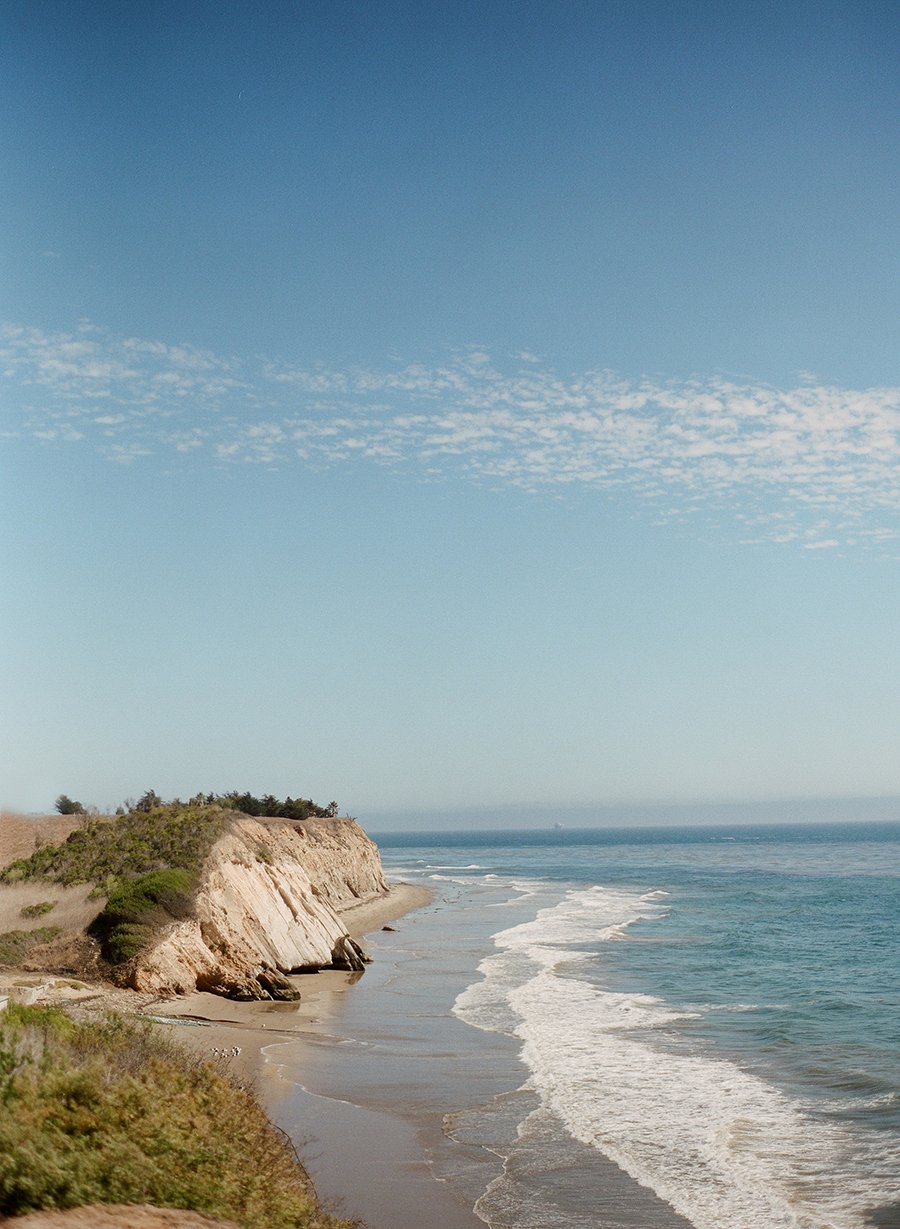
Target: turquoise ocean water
[{"x": 716, "y": 1010}]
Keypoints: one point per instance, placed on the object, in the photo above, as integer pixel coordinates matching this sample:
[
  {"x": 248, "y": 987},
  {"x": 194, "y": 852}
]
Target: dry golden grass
[
  {"x": 19, "y": 833},
  {"x": 72, "y": 910}
]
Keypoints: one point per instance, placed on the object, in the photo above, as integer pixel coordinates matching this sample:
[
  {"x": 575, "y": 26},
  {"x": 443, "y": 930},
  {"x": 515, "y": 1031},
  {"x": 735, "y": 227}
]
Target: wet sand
[
  {"x": 216, "y": 1027},
  {"x": 354, "y": 1175},
  {"x": 383, "y": 1164},
  {"x": 403, "y": 1113},
  {"x": 365, "y": 1163}
]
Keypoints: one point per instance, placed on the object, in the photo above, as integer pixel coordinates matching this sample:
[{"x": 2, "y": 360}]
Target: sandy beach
[
  {"x": 401, "y": 1110},
  {"x": 246, "y": 1036},
  {"x": 237, "y": 1032},
  {"x": 373, "y": 1088},
  {"x": 367, "y": 1162}
]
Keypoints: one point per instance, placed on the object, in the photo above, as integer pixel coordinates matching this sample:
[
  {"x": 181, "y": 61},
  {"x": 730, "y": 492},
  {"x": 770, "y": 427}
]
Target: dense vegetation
[
  {"x": 106, "y": 851},
  {"x": 113, "y": 1112},
  {"x": 268, "y": 805},
  {"x": 248, "y": 804},
  {"x": 137, "y": 907},
  {"x": 272, "y": 807},
  {"x": 145, "y": 860}
]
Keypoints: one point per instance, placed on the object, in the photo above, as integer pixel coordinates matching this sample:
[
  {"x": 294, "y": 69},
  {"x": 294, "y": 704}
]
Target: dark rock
[
  {"x": 276, "y": 986},
  {"x": 267, "y": 984},
  {"x": 230, "y": 988},
  {"x": 347, "y": 954}
]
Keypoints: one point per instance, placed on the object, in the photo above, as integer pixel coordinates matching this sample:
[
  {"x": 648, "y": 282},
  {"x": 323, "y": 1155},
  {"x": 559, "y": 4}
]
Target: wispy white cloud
[{"x": 813, "y": 464}]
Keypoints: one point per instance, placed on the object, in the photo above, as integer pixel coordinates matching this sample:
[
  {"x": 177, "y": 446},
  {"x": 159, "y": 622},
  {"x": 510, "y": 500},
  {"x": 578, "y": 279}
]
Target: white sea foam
[
  {"x": 721, "y": 1145},
  {"x": 457, "y": 879},
  {"x": 470, "y": 866},
  {"x": 397, "y": 868},
  {"x": 527, "y": 887}
]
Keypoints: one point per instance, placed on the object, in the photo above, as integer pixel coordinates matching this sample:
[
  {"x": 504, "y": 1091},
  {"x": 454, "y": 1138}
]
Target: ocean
[{"x": 640, "y": 1029}]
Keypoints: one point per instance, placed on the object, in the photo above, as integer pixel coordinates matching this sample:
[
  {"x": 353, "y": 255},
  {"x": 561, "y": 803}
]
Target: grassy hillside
[
  {"x": 113, "y": 1112},
  {"x": 146, "y": 864}
]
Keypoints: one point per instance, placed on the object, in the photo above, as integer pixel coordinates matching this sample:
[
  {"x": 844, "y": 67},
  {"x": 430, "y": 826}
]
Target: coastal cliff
[
  {"x": 267, "y": 903},
  {"x": 198, "y": 896}
]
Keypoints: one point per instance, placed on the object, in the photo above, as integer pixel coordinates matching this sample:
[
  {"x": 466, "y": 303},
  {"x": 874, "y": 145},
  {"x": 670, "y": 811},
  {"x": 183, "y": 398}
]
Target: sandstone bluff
[{"x": 267, "y": 904}]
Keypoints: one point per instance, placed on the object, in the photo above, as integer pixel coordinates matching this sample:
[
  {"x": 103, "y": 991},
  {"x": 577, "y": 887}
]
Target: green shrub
[
  {"x": 68, "y": 806},
  {"x": 16, "y": 944},
  {"x": 271, "y": 807},
  {"x": 126, "y": 846},
  {"x": 37, "y": 910},
  {"x": 113, "y": 1112},
  {"x": 137, "y": 907},
  {"x": 125, "y": 941},
  {"x": 102, "y": 889}
]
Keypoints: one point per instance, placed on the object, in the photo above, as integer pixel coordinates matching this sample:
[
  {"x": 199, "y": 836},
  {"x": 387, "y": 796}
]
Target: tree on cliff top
[
  {"x": 67, "y": 806},
  {"x": 271, "y": 807}
]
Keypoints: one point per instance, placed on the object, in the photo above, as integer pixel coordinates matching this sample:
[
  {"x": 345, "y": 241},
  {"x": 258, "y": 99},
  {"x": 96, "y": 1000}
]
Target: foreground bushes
[{"x": 113, "y": 1112}]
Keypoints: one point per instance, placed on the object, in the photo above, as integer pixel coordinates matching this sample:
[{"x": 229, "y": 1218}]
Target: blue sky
[{"x": 490, "y": 407}]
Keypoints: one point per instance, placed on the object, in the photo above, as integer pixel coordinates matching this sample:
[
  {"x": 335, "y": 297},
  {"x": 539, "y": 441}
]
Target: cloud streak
[{"x": 816, "y": 464}]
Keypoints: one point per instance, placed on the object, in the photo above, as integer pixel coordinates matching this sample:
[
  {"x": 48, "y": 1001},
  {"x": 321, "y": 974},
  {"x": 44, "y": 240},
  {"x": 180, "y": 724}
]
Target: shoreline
[
  {"x": 381, "y": 1100},
  {"x": 214, "y": 1027},
  {"x": 332, "y": 1140},
  {"x": 372, "y": 1163}
]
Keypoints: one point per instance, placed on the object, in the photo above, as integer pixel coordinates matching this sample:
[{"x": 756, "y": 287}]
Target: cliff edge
[
  {"x": 197, "y": 897},
  {"x": 266, "y": 905}
]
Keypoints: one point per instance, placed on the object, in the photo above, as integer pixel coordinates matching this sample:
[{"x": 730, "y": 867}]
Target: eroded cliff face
[{"x": 267, "y": 904}]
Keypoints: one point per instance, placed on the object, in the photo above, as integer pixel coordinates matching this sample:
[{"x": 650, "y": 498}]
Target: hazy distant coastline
[{"x": 883, "y": 809}]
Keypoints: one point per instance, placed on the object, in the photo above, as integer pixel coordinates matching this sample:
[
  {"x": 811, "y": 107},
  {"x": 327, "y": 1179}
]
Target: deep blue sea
[{"x": 715, "y": 1010}]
